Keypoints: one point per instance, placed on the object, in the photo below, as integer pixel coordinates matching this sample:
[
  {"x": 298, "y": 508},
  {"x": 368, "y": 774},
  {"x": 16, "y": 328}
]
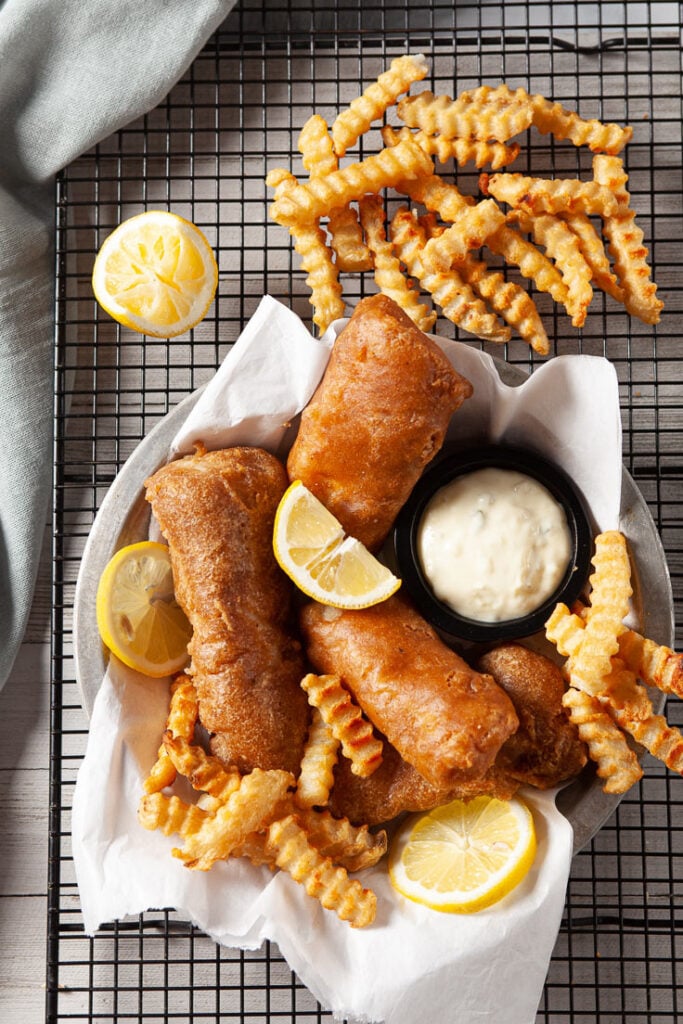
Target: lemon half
[
  {"x": 156, "y": 273},
  {"x": 464, "y": 856},
  {"x": 138, "y": 617},
  {"x": 312, "y": 548}
]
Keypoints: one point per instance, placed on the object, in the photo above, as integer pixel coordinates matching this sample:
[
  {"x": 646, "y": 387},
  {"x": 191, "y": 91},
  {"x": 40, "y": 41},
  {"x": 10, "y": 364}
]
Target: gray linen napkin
[{"x": 71, "y": 73}]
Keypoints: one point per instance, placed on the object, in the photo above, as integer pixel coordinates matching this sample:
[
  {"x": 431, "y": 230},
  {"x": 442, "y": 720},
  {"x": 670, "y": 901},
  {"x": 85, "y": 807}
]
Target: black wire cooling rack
[{"x": 204, "y": 153}]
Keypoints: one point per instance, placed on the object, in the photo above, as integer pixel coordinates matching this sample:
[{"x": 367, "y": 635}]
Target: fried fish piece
[
  {"x": 546, "y": 749},
  {"x": 397, "y": 787},
  {"x": 377, "y": 418},
  {"x": 216, "y": 511},
  {"x": 444, "y": 718}
]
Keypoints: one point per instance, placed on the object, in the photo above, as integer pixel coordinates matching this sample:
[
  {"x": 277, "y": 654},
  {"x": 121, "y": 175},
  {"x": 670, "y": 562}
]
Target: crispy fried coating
[
  {"x": 546, "y": 749},
  {"x": 444, "y": 718},
  {"x": 379, "y": 415},
  {"x": 397, "y": 787},
  {"x": 216, "y": 511}
]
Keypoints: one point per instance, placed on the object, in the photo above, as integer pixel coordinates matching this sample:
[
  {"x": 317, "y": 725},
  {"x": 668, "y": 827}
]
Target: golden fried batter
[
  {"x": 379, "y": 415},
  {"x": 397, "y": 787},
  {"x": 444, "y": 718},
  {"x": 216, "y": 511},
  {"x": 546, "y": 749}
]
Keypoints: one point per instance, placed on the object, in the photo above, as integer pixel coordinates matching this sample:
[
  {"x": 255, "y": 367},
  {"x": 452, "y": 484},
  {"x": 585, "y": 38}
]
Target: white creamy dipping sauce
[{"x": 494, "y": 544}]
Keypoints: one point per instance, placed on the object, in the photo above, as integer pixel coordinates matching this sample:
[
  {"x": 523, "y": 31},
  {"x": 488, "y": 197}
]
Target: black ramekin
[{"x": 442, "y": 472}]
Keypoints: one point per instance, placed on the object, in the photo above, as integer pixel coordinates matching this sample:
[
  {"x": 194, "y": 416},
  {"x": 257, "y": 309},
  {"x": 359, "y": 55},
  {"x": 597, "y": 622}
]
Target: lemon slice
[
  {"x": 156, "y": 273},
  {"x": 314, "y": 551},
  {"x": 138, "y": 616},
  {"x": 464, "y": 856}
]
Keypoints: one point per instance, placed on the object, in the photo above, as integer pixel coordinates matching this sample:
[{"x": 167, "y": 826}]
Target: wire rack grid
[{"x": 204, "y": 153}]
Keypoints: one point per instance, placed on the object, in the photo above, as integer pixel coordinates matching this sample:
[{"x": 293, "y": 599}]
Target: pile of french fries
[
  {"x": 606, "y": 665},
  {"x": 337, "y": 217},
  {"x": 269, "y": 816}
]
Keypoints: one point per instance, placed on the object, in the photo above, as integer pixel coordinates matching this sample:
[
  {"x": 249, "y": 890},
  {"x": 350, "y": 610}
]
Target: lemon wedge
[
  {"x": 464, "y": 856},
  {"x": 312, "y": 548},
  {"x": 156, "y": 273},
  {"x": 138, "y": 616}
]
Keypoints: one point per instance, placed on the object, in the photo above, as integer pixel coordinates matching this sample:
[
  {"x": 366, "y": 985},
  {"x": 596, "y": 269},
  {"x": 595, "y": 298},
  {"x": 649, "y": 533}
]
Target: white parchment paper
[{"x": 412, "y": 964}]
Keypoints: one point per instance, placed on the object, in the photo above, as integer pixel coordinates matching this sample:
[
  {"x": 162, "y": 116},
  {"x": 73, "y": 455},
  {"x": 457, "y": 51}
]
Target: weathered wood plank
[
  {"x": 22, "y": 964},
  {"x": 23, "y": 832},
  {"x": 25, "y": 711}
]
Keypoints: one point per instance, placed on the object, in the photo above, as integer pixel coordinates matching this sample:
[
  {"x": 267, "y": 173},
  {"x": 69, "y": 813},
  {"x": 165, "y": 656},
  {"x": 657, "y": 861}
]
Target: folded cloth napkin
[{"x": 71, "y": 73}]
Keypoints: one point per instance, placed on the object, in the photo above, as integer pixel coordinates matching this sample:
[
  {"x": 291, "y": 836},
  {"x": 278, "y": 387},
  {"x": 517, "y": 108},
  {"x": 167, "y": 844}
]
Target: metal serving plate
[{"x": 124, "y": 518}]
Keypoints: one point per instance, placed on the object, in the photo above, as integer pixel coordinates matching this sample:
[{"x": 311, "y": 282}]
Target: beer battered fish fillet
[
  {"x": 216, "y": 511},
  {"x": 546, "y": 749},
  {"x": 397, "y": 787},
  {"x": 543, "y": 752},
  {"x": 444, "y": 718},
  {"x": 379, "y": 415}
]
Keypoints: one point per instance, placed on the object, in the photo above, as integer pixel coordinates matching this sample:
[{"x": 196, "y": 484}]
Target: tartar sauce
[{"x": 494, "y": 544}]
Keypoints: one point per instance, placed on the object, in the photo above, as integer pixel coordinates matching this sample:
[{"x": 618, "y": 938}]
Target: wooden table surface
[{"x": 24, "y": 802}]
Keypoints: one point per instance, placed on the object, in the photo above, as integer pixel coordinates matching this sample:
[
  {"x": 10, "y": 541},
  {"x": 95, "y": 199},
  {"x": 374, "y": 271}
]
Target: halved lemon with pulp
[
  {"x": 156, "y": 273},
  {"x": 464, "y": 856},
  {"x": 138, "y": 617},
  {"x": 312, "y": 548}
]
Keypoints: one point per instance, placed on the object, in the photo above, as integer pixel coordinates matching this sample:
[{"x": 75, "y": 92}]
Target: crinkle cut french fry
[
  {"x": 249, "y": 809},
  {"x": 350, "y": 846},
  {"x": 319, "y": 159},
  {"x": 509, "y": 300},
  {"x": 320, "y": 877},
  {"x": 469, "y": 230},
  {"x": 562, "y": 245},
  {"x": 316, "y": 776},
  {"x": 532, "y": 264},
  {"x": 656, "y": 664},
  {"x": 456, "y": 298},
  {"x": 388, "y": 275},
  {"x": 374, "y": 101},
  {"x": 630, "y": 706},
  {"x": 506, "y": 298},
  {"x": 429, "y": 189},
  {"x": 170, "y": 814},
  {"x": 616, "y": 763},
  {"x": 322, "y": 278},
  {"x": 610, "y": 593},
  {"x": 310, "y": 201},
  {"x": 316, "y": 259},
  {"x": 465, "y": 151},
  {"x": 315, "y": 146},
  {"x": 437, "y": 195},
  {"x": 254, "y": 848},
  {"x": 354, "y": 847},
  {"x": 339, "y": 710},
  {"x": 625, "y": 243},
  {"x": 553, "y": 119},
  {"x": 549, "y": 195},
  {"x": 593, "y": 251},
  {"x": 564, "y": 629},
  {"x": 181, "y": 720},
  {"x": 203, "y": 771},
  {"x": 485, "y": 113}
]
